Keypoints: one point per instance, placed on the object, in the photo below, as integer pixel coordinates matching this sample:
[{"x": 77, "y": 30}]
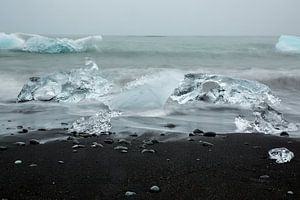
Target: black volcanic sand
[{"x": 230, "y": 169}]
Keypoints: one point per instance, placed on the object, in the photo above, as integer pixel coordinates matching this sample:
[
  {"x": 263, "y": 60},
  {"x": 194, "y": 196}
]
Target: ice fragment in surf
[
  {"x": 41, "y": 44},
  {"x": 281, "y": 155},
  {"x": 288, "y": 44},
  {"x": 219, "y": 89},
  {"x": 72, "y": 86}
]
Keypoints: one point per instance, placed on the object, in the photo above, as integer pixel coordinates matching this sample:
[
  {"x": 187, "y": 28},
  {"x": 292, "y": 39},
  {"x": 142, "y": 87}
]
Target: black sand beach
[{"x": 235, "y": 167}]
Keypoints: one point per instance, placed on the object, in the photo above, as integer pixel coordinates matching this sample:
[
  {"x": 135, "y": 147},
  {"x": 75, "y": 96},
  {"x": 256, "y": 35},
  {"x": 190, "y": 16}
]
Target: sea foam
[{"x": 41, "y": 44}]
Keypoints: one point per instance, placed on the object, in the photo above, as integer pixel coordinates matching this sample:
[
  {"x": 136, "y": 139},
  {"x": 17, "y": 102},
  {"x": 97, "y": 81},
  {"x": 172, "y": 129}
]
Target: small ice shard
[
  {"x": 148, "y": 151},
  {"x": 288, "y": 44},
  {"x": 129, "y": 193},
  {"x": 33, "y": 165},
  {"x": 155, "y": 189},
  {"x": 34, "y": 141},
  {"x": 61, "y": 162},
  {"x": 290, "y": 192},
  {"x": 206, "y": 144},
  {"x": 108, "y": 141},
  {"x": 281, "y": 155},
  {"x": 123, "y": 141},
  {"x": 96, "y": 144},
  {"x": 18, "y": 162},
  {"x": 2, "y": 148},
  {"x": 20, "y": 143},
  {"x": 77, "y": 146}
]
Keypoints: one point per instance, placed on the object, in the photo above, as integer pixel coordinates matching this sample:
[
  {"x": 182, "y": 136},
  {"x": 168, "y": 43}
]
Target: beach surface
[{"x": 230, "y": 166}]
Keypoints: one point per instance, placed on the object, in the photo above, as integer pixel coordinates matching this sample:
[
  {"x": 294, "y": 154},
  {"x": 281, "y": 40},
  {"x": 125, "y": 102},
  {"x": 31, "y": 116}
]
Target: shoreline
[{"x": 230, "y": 169}]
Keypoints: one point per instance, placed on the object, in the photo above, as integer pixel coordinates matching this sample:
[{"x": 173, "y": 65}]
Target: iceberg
[
  {"x": 73, "y": 86},
  {"x": 248, "y": 94},
  {"x": 289, "y": 44},
  {"x": 281, "y": 155},
  {"x": 41, "y": 44}
]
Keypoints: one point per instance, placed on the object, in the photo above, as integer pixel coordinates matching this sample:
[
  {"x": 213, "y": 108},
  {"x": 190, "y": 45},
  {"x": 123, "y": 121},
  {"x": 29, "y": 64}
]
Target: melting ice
[{"x": 288, "y": 43}]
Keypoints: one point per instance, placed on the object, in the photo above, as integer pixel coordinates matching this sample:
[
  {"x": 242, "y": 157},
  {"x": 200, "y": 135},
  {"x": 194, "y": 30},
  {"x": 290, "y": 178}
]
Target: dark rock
[
  {"x": 23, "y": 131},
  {"x": 198, "y": 131},
  {"x": 109, "y": 141},
  {"x": 34, "y": 141},
  {"x": 64, "y": 124},
  {"x": 192, "y": 134},
  {"x": 34, "y": 79},
  {"x": 42, "y": 129},
  {"x": 170, "y": 125},
  {"x": 210, "y": 134},
  {"x": 191, "y": 139},
  {"x": 133, "y": 135},
  {"x": 9, "y": 120},
  {"x": 284, "y": 133},
  {"x": 2, "y": 148},
  {"x": 162, "y": 134}
]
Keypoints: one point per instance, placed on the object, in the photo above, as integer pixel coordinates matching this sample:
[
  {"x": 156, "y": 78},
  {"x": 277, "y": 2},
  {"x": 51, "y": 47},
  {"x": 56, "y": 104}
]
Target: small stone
[
  {"x": 42, "y": 129},
  {"x": 129, "y": 193},
  {"x": 170, "y": 125},
  {"x": 20, "y": 143},
  {"x": 109, "y": 141},
  {"x": 18, "y": 162},
  {"x": 120, "y": 148},
  {"x": 162, "y": 134},
  {"x": 148, "y": 151},
  {"x": 3, "y": 148},
  {"x": 33, "y": 165},
  {"x": 155, "y": 189},
  {"x": 284, "y": 134},
  {"x": 61, "y": 162},
  {"x": 124, "y": 141},
  {"x": 210, "y": 134},
  {"x": 133, "y": 135},
  {"x": 192, "y": 134},
  {"x": 77, "y": 146},
  {"x": 23, "y": 131},
  {"x": 190, "y": 139},
  {"x": 206, "y": 144},
  {"x": 9, "y": 120},
  {"x": 290, "y": 192},
  {"x": 34, "y": 141},
  {"x": 198, "y": 131},
  {"x": 19, "y": 127}
]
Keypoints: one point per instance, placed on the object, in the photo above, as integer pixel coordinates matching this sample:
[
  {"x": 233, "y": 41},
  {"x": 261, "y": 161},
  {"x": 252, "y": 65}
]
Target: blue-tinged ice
[
  {"x": 289, "y": 44},
  {"x": 41, "y": 44},
  {"x": 72, "y": 86}
]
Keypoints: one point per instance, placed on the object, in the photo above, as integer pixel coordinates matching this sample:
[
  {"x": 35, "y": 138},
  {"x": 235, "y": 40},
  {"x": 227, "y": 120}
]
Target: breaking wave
[
  {"x": 41, "y": 44},
  {"x": 288, "y": 44}
]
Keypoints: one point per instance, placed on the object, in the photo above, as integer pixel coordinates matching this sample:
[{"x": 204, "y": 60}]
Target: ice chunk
[
  {"x": 72, "y": 86},
  {"x": 281, "y": 155},
  {"x": 219, "y": 89},
  {"x": 287, "y": 43},
  {"x": 100, "y": 122},
  {"x": 41, "y": 44}
]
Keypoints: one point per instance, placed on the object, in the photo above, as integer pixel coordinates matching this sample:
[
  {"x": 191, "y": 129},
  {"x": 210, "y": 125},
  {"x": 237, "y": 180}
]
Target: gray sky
[{"x": 151, "y": 17}]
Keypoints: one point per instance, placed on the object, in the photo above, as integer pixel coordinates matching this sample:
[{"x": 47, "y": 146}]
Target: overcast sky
[{"x": 151, "y": 17}]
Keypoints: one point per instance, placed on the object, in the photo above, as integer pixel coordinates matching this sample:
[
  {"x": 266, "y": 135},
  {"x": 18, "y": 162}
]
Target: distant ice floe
[
  {"x": 288, "y": 44},
  {"x": 217, "y": 89},
  {"x": 72, "y": 86},
  {"x": 41, "y": 44},
  {"x": 281, "y": 155}
]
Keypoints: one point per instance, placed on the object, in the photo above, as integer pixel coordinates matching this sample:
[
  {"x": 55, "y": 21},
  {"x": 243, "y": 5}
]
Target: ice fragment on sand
[
  {"x": 155, "y": 188},
  {"x": 18, "y": 162},
  {"x": 148, "y": 151},
  {"x": 281, "y": 155},
  {"x": 121, "y": 148},
  {"x": 129, "y": 193}
]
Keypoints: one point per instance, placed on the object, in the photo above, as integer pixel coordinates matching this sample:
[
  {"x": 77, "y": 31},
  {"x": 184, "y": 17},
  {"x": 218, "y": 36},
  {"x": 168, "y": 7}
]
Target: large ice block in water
[
  {"x": 72, "y": 86},
  {"x": 288, "y": 44},
  {"x": 281, "y": 155},
  {"x": 41, "y": 44},
  {"x": 219, "y": 89}
]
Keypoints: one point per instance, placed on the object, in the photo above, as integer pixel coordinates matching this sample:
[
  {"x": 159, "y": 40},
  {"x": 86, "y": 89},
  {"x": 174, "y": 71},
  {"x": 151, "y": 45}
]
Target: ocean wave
[
  {"x": 41, "y": 44},
  {"x": 288, "y": 44}
]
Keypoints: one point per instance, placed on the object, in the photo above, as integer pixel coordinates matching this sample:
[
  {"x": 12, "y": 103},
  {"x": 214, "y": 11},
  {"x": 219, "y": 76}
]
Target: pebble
[
  {"x": 77, "y": 146},
  {"x": 34, "y": 141},
  {"x": 206, "y": 144},
  {"x": 64, "y": 124},
  {"x": 210, "y": 134},
  {"x": 124, "y": 141},
  {"x": 148, "y": 151},
  {"x": 96, "y": 144},
  {"x": 42, "y": 129},
  {"x": 23, "y": 131},
  {"x": 129, "y": 193},
  {"x": 61, "y": 162},
  {"x": 192, "y": 134},
  {"x": 33, "y": 165},
  {"x": 18, "y": 162},
  {"x": 170, "y": 125},
  {"x": 109, "y": 141},
  {"x": 2, "y": 148},
  {"x": 20, "y": 143},
  {"x": 162, "y": 134},
  {"x": 198, "y": 131},
  {"x": 155, "y": 189},
  {"x": 120, "y": 148},
  {"x": 133, "y": 135}
]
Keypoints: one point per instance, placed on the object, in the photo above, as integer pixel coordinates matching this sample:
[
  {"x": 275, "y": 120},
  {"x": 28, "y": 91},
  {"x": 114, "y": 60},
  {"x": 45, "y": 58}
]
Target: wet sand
[{"x": 230, "y": 169}]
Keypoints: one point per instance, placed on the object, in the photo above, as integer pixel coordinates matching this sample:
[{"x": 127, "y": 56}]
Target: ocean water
[{"x": 144, "y": 72}]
